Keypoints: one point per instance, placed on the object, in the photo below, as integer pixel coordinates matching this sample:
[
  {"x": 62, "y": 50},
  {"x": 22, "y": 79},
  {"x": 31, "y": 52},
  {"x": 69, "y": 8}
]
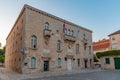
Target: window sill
[
  {"x": 32, "y": 68},
  {"x": 33, "y": 48},
  {"x": 59, "y": 51},
  {"x": 59, "y": 66},
  {"x": 77, "y": 52}
]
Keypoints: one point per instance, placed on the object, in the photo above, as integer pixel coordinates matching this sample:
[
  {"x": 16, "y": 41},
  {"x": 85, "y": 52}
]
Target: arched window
[
  {"x": 33, "y": 62},
  {"x": 89, "y": 49},
  {"x": 77, "y": 48},
  {"x": 68, "y": 32},
  {"x": 78, "y": 61},
  {"x": 59, "y": 62},
  {"x": 58, "y": 45},
  {"x": 46, "y": 25},
  {"x": 65, "y": 31},
  {"x": 33, "y": 41}
]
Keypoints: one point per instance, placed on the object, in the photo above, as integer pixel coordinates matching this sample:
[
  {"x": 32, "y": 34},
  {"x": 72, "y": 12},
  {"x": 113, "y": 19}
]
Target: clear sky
[{"x": 100, "y": 16}]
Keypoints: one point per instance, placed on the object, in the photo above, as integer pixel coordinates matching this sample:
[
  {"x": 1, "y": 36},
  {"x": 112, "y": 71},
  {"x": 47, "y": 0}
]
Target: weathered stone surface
[{"x": 31, "y": 22}]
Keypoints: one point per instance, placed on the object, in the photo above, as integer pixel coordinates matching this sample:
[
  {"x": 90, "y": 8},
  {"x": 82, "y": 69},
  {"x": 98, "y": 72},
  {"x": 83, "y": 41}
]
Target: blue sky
[{"x": 100, "y": 16}]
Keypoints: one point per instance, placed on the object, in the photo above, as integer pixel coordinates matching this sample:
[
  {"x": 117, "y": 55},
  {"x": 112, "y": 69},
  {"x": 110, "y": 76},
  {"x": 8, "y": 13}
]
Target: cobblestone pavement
[{"x": 98, "y": 75}]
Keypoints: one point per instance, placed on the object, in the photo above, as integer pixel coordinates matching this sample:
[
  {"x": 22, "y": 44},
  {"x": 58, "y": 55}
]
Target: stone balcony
[
  {"x": 47, "y": 32},
  {"x": 69, "y": 37},
  {"x": 85, "y": 41}
]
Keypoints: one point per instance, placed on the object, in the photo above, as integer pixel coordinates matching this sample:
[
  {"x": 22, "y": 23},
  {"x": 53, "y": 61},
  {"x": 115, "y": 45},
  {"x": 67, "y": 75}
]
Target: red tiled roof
[
  {"x": 101, "y": 44},
  {"x": 117, "y": 32}
]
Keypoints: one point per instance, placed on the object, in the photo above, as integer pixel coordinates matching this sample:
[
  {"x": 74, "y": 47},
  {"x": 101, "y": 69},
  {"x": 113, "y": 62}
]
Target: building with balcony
[{"x": 41, "y": 42}]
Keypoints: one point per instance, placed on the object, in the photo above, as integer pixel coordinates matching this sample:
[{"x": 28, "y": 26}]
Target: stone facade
[
  {"x": 115, "y": 40},
  {"x": 41, "y": 42},
  {"x": 114, "y": 45},
  {"x": 111, "y": 65}
]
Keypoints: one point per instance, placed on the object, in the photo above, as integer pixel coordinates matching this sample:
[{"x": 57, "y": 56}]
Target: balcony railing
[
  {"x": 47, "y": 32},
  {"x": 85, "y": 41},
  {"x": 69, "y": 37}
]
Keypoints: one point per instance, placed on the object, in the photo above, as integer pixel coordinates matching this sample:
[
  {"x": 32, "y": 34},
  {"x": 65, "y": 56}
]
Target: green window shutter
[{"x": 107, "y": 60}]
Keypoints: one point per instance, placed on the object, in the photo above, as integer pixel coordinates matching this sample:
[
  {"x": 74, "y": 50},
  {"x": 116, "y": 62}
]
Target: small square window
[
  {"x": 113, "y": 38},
  {"x": 107, "y": 60}
]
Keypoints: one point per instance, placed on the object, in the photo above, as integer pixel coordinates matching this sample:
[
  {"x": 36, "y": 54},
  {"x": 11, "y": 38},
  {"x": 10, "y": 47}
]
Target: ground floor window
[
  {"x": 107, "y": 60},
  {"x": 33, "y": 62},
  {"x": 90, "y": 62},
  {"x": 59, "y": 62},
  {"x": 78, "y": 61},
  {"x": 86, "y": 62}
]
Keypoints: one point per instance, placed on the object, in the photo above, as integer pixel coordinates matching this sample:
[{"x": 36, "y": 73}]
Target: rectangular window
[
  {"x": 107, "y": 60},
  {"x": 59, "y": 62},
  {"x": 58, "y": 45},
  {"x": 77, "y": 48},
  {"x": 78, "y": 61},
  {"x": 89, "y": 49},
  {"x": 114, "y": 46}
]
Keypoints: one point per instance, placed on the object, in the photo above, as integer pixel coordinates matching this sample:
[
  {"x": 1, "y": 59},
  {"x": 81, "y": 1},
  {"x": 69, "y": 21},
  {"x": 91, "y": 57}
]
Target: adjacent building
[
  {"x": 112, "y": 62},
  {"x": 101, "y": 46},
  {"x": 115, "y": 40},
  {"x": 41, "y": 42}
]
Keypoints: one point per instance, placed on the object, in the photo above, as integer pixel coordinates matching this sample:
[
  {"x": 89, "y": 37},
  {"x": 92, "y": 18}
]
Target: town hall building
[{"x": 41, "y": 42}]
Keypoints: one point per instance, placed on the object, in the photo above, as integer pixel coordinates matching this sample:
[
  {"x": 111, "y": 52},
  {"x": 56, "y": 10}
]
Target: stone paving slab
[
  {"x": 10, "y": 75},
  {"x": 95, "y": 75}
]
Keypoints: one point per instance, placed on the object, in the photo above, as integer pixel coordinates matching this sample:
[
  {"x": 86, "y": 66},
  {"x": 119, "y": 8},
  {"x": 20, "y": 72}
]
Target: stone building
[
  {"x": 115, "y": 40},
  {"x": 112, "y": 62},
  {"x": 41, "y": 42}
]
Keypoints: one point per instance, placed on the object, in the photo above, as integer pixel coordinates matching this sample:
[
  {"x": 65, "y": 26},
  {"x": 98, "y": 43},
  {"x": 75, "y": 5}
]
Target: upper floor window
[
  {"x": 65, "y": 31},
  {"x": 114, "y": 46},
  {"x": 72, "y": 32},
  {"x": 33, "y": 62},
  {"x": 78, "y": 33},
  {"x": 58, "y": 45},
  {"x": 90, "y": 49},
  {"x": 77, "y": 48},
  {"x": 46, "y": 25},
  {"x": 68, "y": 32},
  {"x": 113, "y": 38},
  {"x": 33, "y": 41},
  {"x": 78, "y": 61}
]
